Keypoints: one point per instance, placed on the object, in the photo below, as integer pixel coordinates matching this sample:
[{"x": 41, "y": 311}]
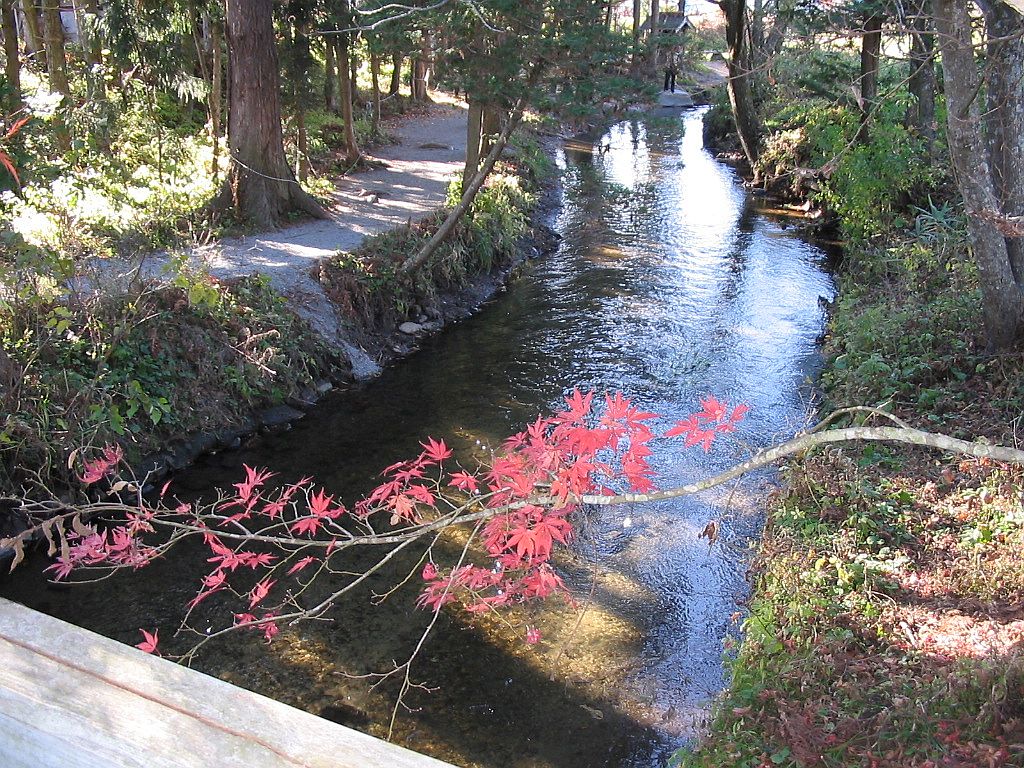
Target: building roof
[{"x": 670, "y": 22}]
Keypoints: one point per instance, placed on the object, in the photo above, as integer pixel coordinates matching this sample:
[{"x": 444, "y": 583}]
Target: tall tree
[
  {"x": 739, "y": 84},
  {"x": 216, "y": 88},
  {"x": 12, "y": 54},
  {"x": 30, "y": 12},
  {"x": 396, "y": 74},
  {"x": 260, "y": 184},
  {"x": 870, "y": 52},
  {"x": 1004, "y": 116},
  {"x": 634, "y": 65},
  {"x": 330, "y": 77},
  {"x": 421, "y": 67},
  {"x": 652, "y": 36},
  {"x": 921, "y": 81},
  {"x": 55, "y": 55},
  {"x": 990, "y": 225}
]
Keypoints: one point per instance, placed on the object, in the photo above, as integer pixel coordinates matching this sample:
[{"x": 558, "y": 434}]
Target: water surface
[{"x": 668, "y": 286}]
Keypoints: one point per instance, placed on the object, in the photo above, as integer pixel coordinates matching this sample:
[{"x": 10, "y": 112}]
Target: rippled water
[{"x": 668, "y": 286}]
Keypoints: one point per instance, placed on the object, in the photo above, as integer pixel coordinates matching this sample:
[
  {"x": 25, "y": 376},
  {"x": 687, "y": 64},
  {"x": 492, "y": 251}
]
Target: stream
[{"x": 669, "y": 285}]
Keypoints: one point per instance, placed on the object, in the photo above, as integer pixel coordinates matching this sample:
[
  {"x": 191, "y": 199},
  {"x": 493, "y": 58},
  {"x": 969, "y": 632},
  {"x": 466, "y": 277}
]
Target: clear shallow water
[{"x": 668, "y": 286}]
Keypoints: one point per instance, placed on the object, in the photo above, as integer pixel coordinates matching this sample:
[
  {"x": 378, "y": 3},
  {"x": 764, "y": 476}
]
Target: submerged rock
[{"x": 279, "y": 416}]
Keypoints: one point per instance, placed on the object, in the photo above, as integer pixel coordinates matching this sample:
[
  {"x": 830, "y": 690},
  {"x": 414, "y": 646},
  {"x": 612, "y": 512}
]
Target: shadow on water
[{"x": 668, "y": 286}]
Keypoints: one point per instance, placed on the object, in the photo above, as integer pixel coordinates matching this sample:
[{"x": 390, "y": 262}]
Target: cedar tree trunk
[
  {"x": 474, "y": 129},
  {"x": 396, "y": 74},
  {"x": 55, "y": 58},
  {"x": 12, "y": 56},
  {"x": 216, "y": 90},
  {"x": 330, "y": 77},
  {"x": 35, "y": 34},
  {"x": 921, "y": 83},
  {"x": 260, "y": 185},
  {"x": 347, "y": 87},
  {"x": 634, "y": 66},
  {"x": 870, "y": 49}
]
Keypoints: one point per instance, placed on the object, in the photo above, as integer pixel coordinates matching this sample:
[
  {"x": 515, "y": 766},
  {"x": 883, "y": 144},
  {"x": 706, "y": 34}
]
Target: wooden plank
[{"x": 70, "y": 698}]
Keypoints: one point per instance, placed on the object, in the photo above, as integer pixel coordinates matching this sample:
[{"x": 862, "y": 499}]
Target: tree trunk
[
  {"x": 469, "y": 193},
  {"x": 421, "y": 68},
  {"x": 93, "y": 47},
  {"x": 12, "y": 55},
  {"x": 757, "y": 27},
  {"x": 634, "y": 66},
  {"x": 347, "y": 118},
  {"x": 474, "y": 129},
  {"x": 196, "y": 26},
  {"x": 35, "y": 34},
  {"x": 57, "y": 63},
  {"x": 652, "y": 37},
  {"x": 1004, "y": 118},
  {"x": 741, "y": 95},
  {"x": 353, "y": 71},
  {"x": 216, "y": 91},
  {"x": 490, "y": 127},
  {"x": 921, "y": 82},
  {"x": 375, "y": 83},
  {"x": 870, "y": 49},
  {"x": 1002, "y": 300},
  {"x": 260, "y": 185},
  {"x": 330, "y": 77},
  {"x": 396, "y": 74}
]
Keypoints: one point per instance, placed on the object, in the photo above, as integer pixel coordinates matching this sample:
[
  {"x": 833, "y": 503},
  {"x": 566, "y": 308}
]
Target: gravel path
[{"x": 412, "y": 183}]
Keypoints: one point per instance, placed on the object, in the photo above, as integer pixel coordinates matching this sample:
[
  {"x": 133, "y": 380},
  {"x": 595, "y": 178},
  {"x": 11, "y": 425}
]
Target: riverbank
[
  {"x": 886, "y": 624},
  {"x": 128, "y": 360}
]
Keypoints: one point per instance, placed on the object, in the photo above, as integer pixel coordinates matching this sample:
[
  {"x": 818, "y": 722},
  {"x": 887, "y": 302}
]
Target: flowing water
[{"x": 668, "y": 285}]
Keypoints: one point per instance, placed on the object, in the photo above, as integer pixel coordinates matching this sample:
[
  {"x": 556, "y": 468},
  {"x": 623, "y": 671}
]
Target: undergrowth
[{"x": 141, "y": 367}]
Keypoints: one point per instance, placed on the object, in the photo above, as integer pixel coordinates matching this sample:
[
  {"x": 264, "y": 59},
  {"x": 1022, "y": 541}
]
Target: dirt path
[{"x": 413, "y": 182}]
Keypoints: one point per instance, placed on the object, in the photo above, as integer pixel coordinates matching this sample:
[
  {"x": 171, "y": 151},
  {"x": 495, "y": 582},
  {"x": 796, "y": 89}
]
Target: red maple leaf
[
  {"x": 685, "y": 427},
  {"x": 305, "y": 525},
  {"x": 260, "y": 591},
  {"x": 150, "y": 641},
  {"x": 320, "y": 505},
  {"x": 579, "y": 406},
  {"x": 300, "y": 564},
  {"x": 436, "y": 450},
  {"x": 421, "y": 493},
  {"x": 465, "y": 482},
  {"x": 712, "y": 409},
  {"x": 403, "y": 508}
]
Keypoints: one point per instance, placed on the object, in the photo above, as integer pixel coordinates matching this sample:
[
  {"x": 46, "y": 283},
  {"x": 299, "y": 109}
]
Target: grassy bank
[
  {"x": 886, "y": 622},
  {"x": 142, "y": 367}
]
